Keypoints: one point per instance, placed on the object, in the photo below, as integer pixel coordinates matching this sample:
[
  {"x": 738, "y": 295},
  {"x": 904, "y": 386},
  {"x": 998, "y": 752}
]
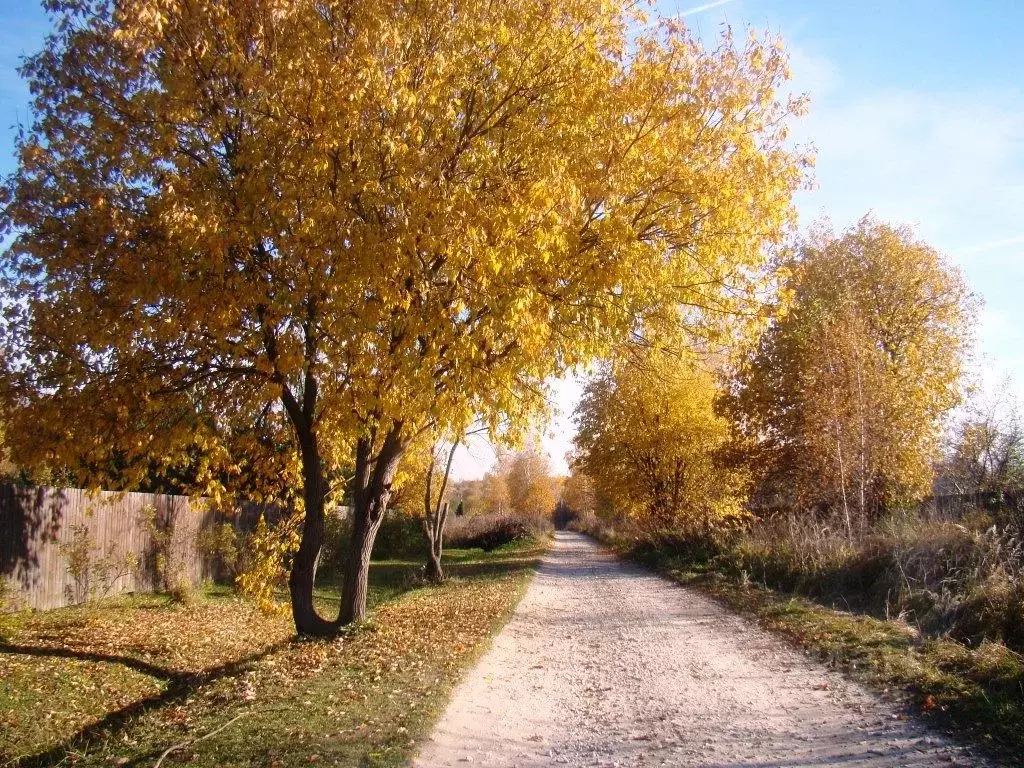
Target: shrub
[
  {"x": 7, "y": 608},
  {"x": 93, "y": 571},
  {"x": 168, "y": 565},
  {"x": 222, "y": 544},
  {"x": 400, "y": 535},
  {"x": 947, "y": 578},
  {"x": 488, "y": 532},
  {"x": 181, "y": 593},
  {"x": 592, "y": 525},
  {"x": 336, "y": 533}
]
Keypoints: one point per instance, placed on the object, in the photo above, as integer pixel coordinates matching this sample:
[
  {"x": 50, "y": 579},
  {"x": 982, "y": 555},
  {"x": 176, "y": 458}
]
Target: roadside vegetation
[
  {"x": 294, "y": 254},
  {"x": 121, "y": 681}
]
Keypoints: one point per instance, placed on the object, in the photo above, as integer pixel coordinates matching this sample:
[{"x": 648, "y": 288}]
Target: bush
[
  {"x": 401, "y": 535},
  {"x": 222, "y": 545},
  {"x": 592, "y": 525},
  {"x": 956, "y": 579},
  {"x": 337, "y": 529},
  {"x": 488, "y": 532},
  {"x": 7, "y": 608},
  {"x": 181, "y": 593}
]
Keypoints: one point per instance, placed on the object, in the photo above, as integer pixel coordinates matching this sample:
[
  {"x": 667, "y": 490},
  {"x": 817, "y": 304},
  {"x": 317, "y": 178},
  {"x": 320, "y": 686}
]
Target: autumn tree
[
  {"x": 531, "y": 485},
  {"x": 427, "y": 472},
  {"x": 650, "y": 438},
  {"x": 578, "y": 492},
  {"x": 841, "y": 403},
  {"x": 351, "y": 222}
]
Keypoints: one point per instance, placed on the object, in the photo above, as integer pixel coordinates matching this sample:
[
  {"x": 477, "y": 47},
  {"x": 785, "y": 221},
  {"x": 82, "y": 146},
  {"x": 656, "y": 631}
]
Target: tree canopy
[
  {"x": 292, "y": 235},
  {"x": 653, "y": 444},
  {"x": 842, "y": 401}
]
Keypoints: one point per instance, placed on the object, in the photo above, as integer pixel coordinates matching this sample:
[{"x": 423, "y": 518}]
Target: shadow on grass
[
  {"x": 391, "y": 578},
  {"x": 388, "y": 580},
  {"x": 179, "y": 687},
  {"x": 138, "y": 665}
]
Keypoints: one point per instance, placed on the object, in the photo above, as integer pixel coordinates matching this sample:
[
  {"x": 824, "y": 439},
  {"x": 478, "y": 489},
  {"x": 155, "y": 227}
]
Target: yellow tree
[
  {"x": 986, "y": 447},
  {"x": 531, "y": 487},
  {"x": 360, "y": 220},
  {"x": 843, "y": 399},
  {"x": 492, "y": 489},
  {"x": 650, "y": 438},
  {"x": 578, "y": 493}
]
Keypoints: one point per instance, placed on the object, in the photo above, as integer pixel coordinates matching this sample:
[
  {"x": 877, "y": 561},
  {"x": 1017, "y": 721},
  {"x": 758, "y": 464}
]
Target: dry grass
[{"x": 979, "y": 692}]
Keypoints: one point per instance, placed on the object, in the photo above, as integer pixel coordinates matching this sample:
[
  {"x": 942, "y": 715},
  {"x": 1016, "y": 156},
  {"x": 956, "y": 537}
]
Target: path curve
[{"x": 606, "y": 664}]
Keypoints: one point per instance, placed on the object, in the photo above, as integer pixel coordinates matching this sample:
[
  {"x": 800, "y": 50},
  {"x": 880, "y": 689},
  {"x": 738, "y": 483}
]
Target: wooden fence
[{"x": 60, "y": 546}]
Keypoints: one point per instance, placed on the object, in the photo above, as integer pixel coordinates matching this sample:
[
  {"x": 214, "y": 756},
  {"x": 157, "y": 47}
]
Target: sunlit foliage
[
  {"x": 348, "y": 222},
  {"x": 842, "y": 402},
  {"x": 651, "y": 440}
]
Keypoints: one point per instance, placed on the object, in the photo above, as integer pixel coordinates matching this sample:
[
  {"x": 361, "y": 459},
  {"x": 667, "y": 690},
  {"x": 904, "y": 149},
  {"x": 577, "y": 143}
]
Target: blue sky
[{"x": 917, "y": 114}]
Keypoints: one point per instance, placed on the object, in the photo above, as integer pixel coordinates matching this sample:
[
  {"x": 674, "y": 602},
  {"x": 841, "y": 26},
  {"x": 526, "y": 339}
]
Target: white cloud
[
  {"x": 951, "y": 163},
  {"x": 992, "y": 245}
]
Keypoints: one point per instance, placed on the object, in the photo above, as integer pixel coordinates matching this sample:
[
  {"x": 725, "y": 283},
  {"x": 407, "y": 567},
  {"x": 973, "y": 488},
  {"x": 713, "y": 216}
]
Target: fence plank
[{"x": 38, "y": 526}]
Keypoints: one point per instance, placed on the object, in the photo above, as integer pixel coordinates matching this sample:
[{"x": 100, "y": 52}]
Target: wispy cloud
[
  {"x": 992, "y": 245},
  {"x": 704, "y": 7}
]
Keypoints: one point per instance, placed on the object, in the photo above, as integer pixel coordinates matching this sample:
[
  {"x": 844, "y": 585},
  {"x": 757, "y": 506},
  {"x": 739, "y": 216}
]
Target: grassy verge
[
  {"x": 120, "y": 682},
  {"x": 977, "y": 693}
]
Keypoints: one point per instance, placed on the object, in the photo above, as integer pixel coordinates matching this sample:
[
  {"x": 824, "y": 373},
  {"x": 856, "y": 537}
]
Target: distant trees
[
  {"x": 578, "y": 492},
  {"x": 531, "y": 485},
  {"x": 649, "y": 440},
  {"x": 986, "y": 452},
  {"x": 520, "y": 482},
  {"x": 841, "y": 404}
]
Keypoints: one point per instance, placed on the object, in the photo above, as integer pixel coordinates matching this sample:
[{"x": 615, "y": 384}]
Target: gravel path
[{"x": 605, "y": 664}]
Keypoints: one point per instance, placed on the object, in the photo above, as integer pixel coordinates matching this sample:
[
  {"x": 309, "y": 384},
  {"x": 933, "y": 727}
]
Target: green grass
[
  {"x": 976, "y": 692},
  {"x": 119, "y": 682}
]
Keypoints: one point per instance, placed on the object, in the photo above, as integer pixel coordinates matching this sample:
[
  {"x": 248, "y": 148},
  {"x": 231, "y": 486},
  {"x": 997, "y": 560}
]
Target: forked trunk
[
  {"x": 435, "y": 514},
  {"x": 435, "y": 574},
  {"x": 434, "y": 526},
  {"x": 370, "y": 494}
]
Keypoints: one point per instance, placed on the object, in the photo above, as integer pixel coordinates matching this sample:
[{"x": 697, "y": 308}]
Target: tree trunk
[
  {"x": 434, "y": 525},
  {"x": 370, "y": 495},
  {"x": 435, "y": 574},
  {"x": 303, "y": 574},
  {"x": 435, "y": 515},
  {"x": 357, "y": 567}
]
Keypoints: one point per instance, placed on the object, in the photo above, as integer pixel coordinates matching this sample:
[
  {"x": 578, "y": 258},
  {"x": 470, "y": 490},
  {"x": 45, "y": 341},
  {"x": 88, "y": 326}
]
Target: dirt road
[{"x": 605, "y": 664}]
